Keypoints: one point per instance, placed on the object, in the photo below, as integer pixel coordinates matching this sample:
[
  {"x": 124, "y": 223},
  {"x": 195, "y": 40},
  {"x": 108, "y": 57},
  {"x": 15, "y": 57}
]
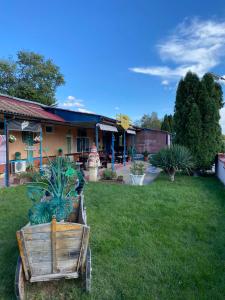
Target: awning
[
  {"x": 105, "y": 127},
  {"x": 131, "y": 131},
  {"x": 17, "y": 125}
]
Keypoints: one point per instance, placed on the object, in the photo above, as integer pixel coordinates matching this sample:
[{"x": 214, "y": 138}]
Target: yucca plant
[
  {"x": 172, "y": 159},
  {"x": 52, "y": 196}
]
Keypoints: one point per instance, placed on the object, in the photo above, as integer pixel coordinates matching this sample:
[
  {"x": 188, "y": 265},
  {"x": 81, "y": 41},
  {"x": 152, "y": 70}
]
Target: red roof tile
[{"x": 25, "y": 108}]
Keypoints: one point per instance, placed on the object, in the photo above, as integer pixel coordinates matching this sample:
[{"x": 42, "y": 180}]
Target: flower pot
[{"x": 137, "y": 179}]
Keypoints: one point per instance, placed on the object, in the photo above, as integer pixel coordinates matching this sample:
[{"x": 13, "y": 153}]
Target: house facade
[{"x": 41, "y": 131}]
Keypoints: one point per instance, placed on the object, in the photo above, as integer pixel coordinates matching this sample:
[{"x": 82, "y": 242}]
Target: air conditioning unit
[{"x": 19, "y": 166}]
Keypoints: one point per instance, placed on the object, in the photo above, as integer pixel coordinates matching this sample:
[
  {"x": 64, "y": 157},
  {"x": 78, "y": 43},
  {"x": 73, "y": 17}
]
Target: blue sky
[{"x": 119, "y": 56}]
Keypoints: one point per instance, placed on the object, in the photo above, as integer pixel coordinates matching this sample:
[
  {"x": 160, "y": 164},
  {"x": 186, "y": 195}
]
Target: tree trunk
[{"x": 172, "y": 175}]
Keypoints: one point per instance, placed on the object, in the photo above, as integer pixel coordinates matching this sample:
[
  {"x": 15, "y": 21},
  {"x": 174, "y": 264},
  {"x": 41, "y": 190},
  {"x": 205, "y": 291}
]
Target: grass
[{"x": 162, "y": 241}]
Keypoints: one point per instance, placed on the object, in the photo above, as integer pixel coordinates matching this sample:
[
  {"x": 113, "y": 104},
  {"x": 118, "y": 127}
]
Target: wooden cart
[{"x": 52, "y": 251}]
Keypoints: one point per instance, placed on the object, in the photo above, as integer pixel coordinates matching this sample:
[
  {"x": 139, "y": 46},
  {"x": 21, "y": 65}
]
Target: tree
[
  {"x": 31, "y": 77},
  {"x": 210, "y": 102},
  {"x": 187, "y": 93},
  {"x": 167, "y": 123},
  {"x": 196, "y": 118},
  {"x": 150, "y": 121}
]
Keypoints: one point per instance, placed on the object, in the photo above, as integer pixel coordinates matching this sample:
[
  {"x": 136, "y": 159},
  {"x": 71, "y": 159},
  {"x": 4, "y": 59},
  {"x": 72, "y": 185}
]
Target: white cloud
[
  {"x": 195, "y": 45},
  {"x": 84, "y": 110},
  {"x": 117, "y": 108},
  {"x": 222, "y": 119},
  {"x": 71, "y": 98},
  {"x": 72, "y": 101},
  {"x": 165, "y": 82}
]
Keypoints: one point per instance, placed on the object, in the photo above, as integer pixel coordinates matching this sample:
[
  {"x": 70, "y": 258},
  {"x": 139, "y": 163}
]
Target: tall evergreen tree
[
  {"x": 187, "y": 93},
  {"x": 196, "y": 118},
  {"x": 167, "y": 123},
  {"x": 210, "y": 102}
]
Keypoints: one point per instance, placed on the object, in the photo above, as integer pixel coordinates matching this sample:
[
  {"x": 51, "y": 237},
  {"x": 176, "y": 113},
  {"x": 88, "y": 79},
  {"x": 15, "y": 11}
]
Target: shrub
[
  {"x": 108, "y": 174},
  {"x": 137, "y": 168},
  {"x": 173, "y": 159}
]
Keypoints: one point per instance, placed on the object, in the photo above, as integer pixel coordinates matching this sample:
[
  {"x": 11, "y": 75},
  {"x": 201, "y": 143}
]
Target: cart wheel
[
  {"x": 19, "y": 281},
  {"x": 88, "y": 271}
]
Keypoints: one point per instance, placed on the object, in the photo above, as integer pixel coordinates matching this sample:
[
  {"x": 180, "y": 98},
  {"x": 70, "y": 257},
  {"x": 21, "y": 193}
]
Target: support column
[
  {"x": 113, "y": 152},
  {"x": 133, "y": 146},
  {"x": 96, "y": 136},
  {"x": 41, "y": 152},
  {"x": 124, "y": 148},
  {"x": 6, "y": 132}
]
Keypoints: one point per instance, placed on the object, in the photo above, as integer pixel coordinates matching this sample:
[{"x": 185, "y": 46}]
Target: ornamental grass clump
[
  {"x": 53, "y": 194},
  {"x": 172, "y": 159}
]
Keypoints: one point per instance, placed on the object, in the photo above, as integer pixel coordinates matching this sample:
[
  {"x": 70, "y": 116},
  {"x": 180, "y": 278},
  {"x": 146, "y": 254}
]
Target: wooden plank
[
  {"x": 54, "y": 258},
  {"x": 37, "y": 228},
  {"x": 37, "y": 236},
  {"x": 68, "y": 226},
  {"x": 84, "y": 247},
  {"x": 54, "y": 277},
  {"x": 21, "y": 250},
  {"x": 70, "y": 233},
  {"x": 68, "y": 244},
  {"x": 62, "y": 255},
  {"x": 65, "y": 266},
  {"x": 41, "y": 268},
  {"x": 39, "y": 245}
]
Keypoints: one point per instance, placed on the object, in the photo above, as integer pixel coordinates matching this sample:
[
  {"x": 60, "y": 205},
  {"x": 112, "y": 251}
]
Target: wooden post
[
  {"x": 113, "y": 152},
  {"x": 54, "y": 258},
  {"x": 41, "y": 160},
  {"x": 124, "y": 148},
  {"x": 96, "y": 136},
  {"x": 6, "y": 132}
]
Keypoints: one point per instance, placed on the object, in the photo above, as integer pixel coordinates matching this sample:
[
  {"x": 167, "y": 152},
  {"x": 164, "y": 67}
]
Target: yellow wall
[{"x": 51, "y": 141}]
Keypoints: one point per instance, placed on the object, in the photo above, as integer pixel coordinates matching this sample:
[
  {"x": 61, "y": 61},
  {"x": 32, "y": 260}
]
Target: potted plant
[
  {"x": 145, "y": 154},
  {"x": 172, "y": 159},
  {"x": 108, "y": 174},
  {"x": 137, "y": 173},
  {"x": 60, "y": 152},
  {"x": 12, "y": 138}
]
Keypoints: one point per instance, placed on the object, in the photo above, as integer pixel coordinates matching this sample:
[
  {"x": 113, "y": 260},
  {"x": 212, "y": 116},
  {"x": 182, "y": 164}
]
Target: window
[
  {"x": 69, "y": 144},
  {"x": 49, "y": 129},
  {"x": 81, "y": 132},
  {"x": 82, "y": 144}
]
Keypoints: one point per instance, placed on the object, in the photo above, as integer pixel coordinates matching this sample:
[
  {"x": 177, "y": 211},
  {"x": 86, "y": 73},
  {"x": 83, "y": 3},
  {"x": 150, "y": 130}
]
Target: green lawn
[{"x": 162, "y": 241}]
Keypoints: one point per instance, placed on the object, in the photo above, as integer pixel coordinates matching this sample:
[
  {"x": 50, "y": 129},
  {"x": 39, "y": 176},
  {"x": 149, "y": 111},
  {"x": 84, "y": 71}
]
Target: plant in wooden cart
[
  {"x": 52, "y": 196},
  {"x": 173, "y": 159}
]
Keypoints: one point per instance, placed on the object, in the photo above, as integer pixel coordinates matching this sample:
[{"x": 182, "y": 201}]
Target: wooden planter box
[{"x": 53, "y": 250}]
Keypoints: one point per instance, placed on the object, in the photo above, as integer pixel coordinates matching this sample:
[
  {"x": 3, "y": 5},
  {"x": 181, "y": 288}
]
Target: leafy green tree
[
  {"x": 31, "y": 77},
  {"x": 167, "y": 123},
  {"x": 150, "y": 121}
]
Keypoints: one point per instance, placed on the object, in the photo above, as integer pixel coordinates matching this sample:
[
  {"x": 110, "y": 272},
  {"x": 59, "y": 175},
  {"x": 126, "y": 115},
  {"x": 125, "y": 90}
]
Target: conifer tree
[
  {"x": 196, "y": 118},
  {"x": 167, "y": 123}
]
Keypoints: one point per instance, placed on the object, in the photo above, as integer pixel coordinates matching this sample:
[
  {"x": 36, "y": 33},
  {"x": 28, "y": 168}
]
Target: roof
[{"x": 25, "y": 108}]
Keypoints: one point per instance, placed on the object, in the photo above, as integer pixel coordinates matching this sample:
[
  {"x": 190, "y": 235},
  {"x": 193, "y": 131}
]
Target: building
[
  {"x": 151, "y": 140},
  {"x": 42, "y": 131}
]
